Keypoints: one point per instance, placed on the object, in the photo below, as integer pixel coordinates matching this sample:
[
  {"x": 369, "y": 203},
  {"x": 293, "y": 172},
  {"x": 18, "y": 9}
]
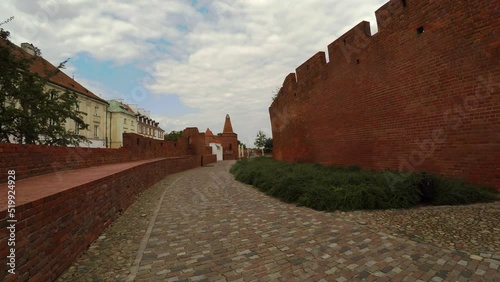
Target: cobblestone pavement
[
  {"x": 472, "y": 228},
  {"x": 202, "y": 225}
]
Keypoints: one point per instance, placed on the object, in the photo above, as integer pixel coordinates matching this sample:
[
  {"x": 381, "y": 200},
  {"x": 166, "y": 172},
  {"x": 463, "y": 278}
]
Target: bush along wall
[{"x": 330, "y": 188}]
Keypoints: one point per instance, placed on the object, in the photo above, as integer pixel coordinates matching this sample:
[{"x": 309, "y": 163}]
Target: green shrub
[
  {"x": 406, "y": 193},
  {"x": 330, "y": 188},
  {"x": 457, "y": 192}
]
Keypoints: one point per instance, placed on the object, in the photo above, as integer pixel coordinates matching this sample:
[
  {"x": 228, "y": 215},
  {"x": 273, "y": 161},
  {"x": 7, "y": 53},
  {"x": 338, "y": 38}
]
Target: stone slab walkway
[{"x": 202, "y": 225}]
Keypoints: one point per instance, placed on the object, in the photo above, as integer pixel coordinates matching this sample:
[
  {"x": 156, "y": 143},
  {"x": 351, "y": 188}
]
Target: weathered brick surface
[
  {"x": 32, "y": 160},
  {"x": 209, "y": 159},
  {"x": 53, "y": 231},
  {"x": 401, "y": 98}
]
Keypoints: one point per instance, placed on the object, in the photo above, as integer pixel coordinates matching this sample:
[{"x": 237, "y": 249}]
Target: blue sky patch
[{"x": 127, "y": 82}]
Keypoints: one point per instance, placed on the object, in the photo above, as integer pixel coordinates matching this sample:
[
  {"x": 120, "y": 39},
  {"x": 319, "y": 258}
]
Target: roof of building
[
  {"x": 228, "y": 128},
  {"x": 117, "y": 107},
  {"x": 43, "y": 68},
  {"x": 143, "y": 117},
  {"x": 129, "y": 109}
]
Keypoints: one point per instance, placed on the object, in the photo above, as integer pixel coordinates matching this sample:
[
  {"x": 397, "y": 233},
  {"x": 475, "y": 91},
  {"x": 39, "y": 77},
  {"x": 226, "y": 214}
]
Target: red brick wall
[
  {"x": 401, "y": 99},
  {"x": 33, "y": 160},
  {"x": 229, "y": 142},
  {"x": 209, "y": 159},
  {"x": 208, "y": 150},
  {"x": 52, "y": 232}
]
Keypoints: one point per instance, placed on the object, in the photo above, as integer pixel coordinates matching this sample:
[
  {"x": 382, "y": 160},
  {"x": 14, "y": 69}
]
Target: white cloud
[{"x": 228, "y": 58}]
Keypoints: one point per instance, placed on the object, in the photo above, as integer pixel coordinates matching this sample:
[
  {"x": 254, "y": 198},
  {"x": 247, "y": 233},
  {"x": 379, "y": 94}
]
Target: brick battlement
[{"x": 421, "y": 94}]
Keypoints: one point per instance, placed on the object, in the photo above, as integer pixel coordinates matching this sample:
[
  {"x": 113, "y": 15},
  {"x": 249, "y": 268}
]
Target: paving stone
[
  {"x": 466, "y": 273},
  {"x": 425, "y": 267},
  {"x": 387, "y": 269},
  {"x": 442, "y": 274},
  {"x": 476, "y": 257},
  {"x": 363, "y": 275}
]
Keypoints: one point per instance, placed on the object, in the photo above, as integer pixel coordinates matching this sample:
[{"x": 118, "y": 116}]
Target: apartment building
[
  {"x": 147, "y": 126},
  {"x": 93, "y": 107},
  {"x": 121, "y": 119}
]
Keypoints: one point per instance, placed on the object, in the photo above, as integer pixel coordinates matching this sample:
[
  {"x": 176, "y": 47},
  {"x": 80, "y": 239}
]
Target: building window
[
  {"x": 96, "y": 113},
  {"x": 132, "y": 123},
  {"x": 124, "y": 121},
  {"x": 77, "y": 128},
  {"x": 96, "y": 130}
]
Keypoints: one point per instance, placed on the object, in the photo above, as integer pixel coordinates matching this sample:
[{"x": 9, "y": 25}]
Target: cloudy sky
[{"x": 190, "y": 62}]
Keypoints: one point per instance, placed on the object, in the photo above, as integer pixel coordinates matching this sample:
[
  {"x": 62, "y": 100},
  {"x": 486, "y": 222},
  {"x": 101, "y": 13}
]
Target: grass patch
[{"x": 329, "y": 188}]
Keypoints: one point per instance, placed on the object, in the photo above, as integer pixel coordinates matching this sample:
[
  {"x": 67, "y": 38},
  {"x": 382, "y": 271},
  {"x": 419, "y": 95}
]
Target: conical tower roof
[
  {"x": 228, "y": 128},
  {"x": 209, "y": 133}
]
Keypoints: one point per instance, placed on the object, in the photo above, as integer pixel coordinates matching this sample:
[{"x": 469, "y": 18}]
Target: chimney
[{"x": 28, "y": 48}]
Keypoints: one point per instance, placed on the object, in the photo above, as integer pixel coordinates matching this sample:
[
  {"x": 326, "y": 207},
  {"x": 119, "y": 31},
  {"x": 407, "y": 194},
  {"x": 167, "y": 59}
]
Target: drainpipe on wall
[
  {"x": 106, "y": 126},
  {"x": 110, "y": 124}
]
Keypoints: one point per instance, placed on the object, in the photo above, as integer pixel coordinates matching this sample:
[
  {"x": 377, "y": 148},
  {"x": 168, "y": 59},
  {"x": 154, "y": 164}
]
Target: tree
[
  {"x": 173, "y": 135},
  {"x": 29, "y": 112},
  {"x": 260, "y": 140},
  {"x": 268, "y": 146}
]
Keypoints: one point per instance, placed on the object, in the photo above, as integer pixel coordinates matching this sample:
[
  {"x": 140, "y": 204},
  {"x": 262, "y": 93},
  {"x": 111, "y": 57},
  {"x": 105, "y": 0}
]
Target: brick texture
[
  {"x": 422, "y": 94},
  {"x": 53, "y": 231},
  {"x": 208, "y": 159},
  {"x": 33, "y": 160}
]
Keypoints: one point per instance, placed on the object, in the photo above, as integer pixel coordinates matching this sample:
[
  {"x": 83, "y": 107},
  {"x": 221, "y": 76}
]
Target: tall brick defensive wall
[{"x": 422, "y": 94}]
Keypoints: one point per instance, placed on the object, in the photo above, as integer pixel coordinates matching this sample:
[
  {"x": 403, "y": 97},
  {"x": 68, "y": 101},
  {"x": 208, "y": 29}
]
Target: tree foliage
[
  {"x": 260, "y": 140},
  {"x": 268, "y": 146},
  {"x": 30, "y": 113},
  {"x": 173, "y": 135}
]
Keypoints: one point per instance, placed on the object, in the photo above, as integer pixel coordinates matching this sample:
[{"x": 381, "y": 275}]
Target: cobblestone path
[{"x": 202, "y": 225}]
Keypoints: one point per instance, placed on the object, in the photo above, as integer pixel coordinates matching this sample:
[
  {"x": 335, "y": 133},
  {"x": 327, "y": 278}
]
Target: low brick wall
[
  {"x": 33, "y": 160},
  {"x": 52, "y": 232},
  {"x": 209, "y": 159}
]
